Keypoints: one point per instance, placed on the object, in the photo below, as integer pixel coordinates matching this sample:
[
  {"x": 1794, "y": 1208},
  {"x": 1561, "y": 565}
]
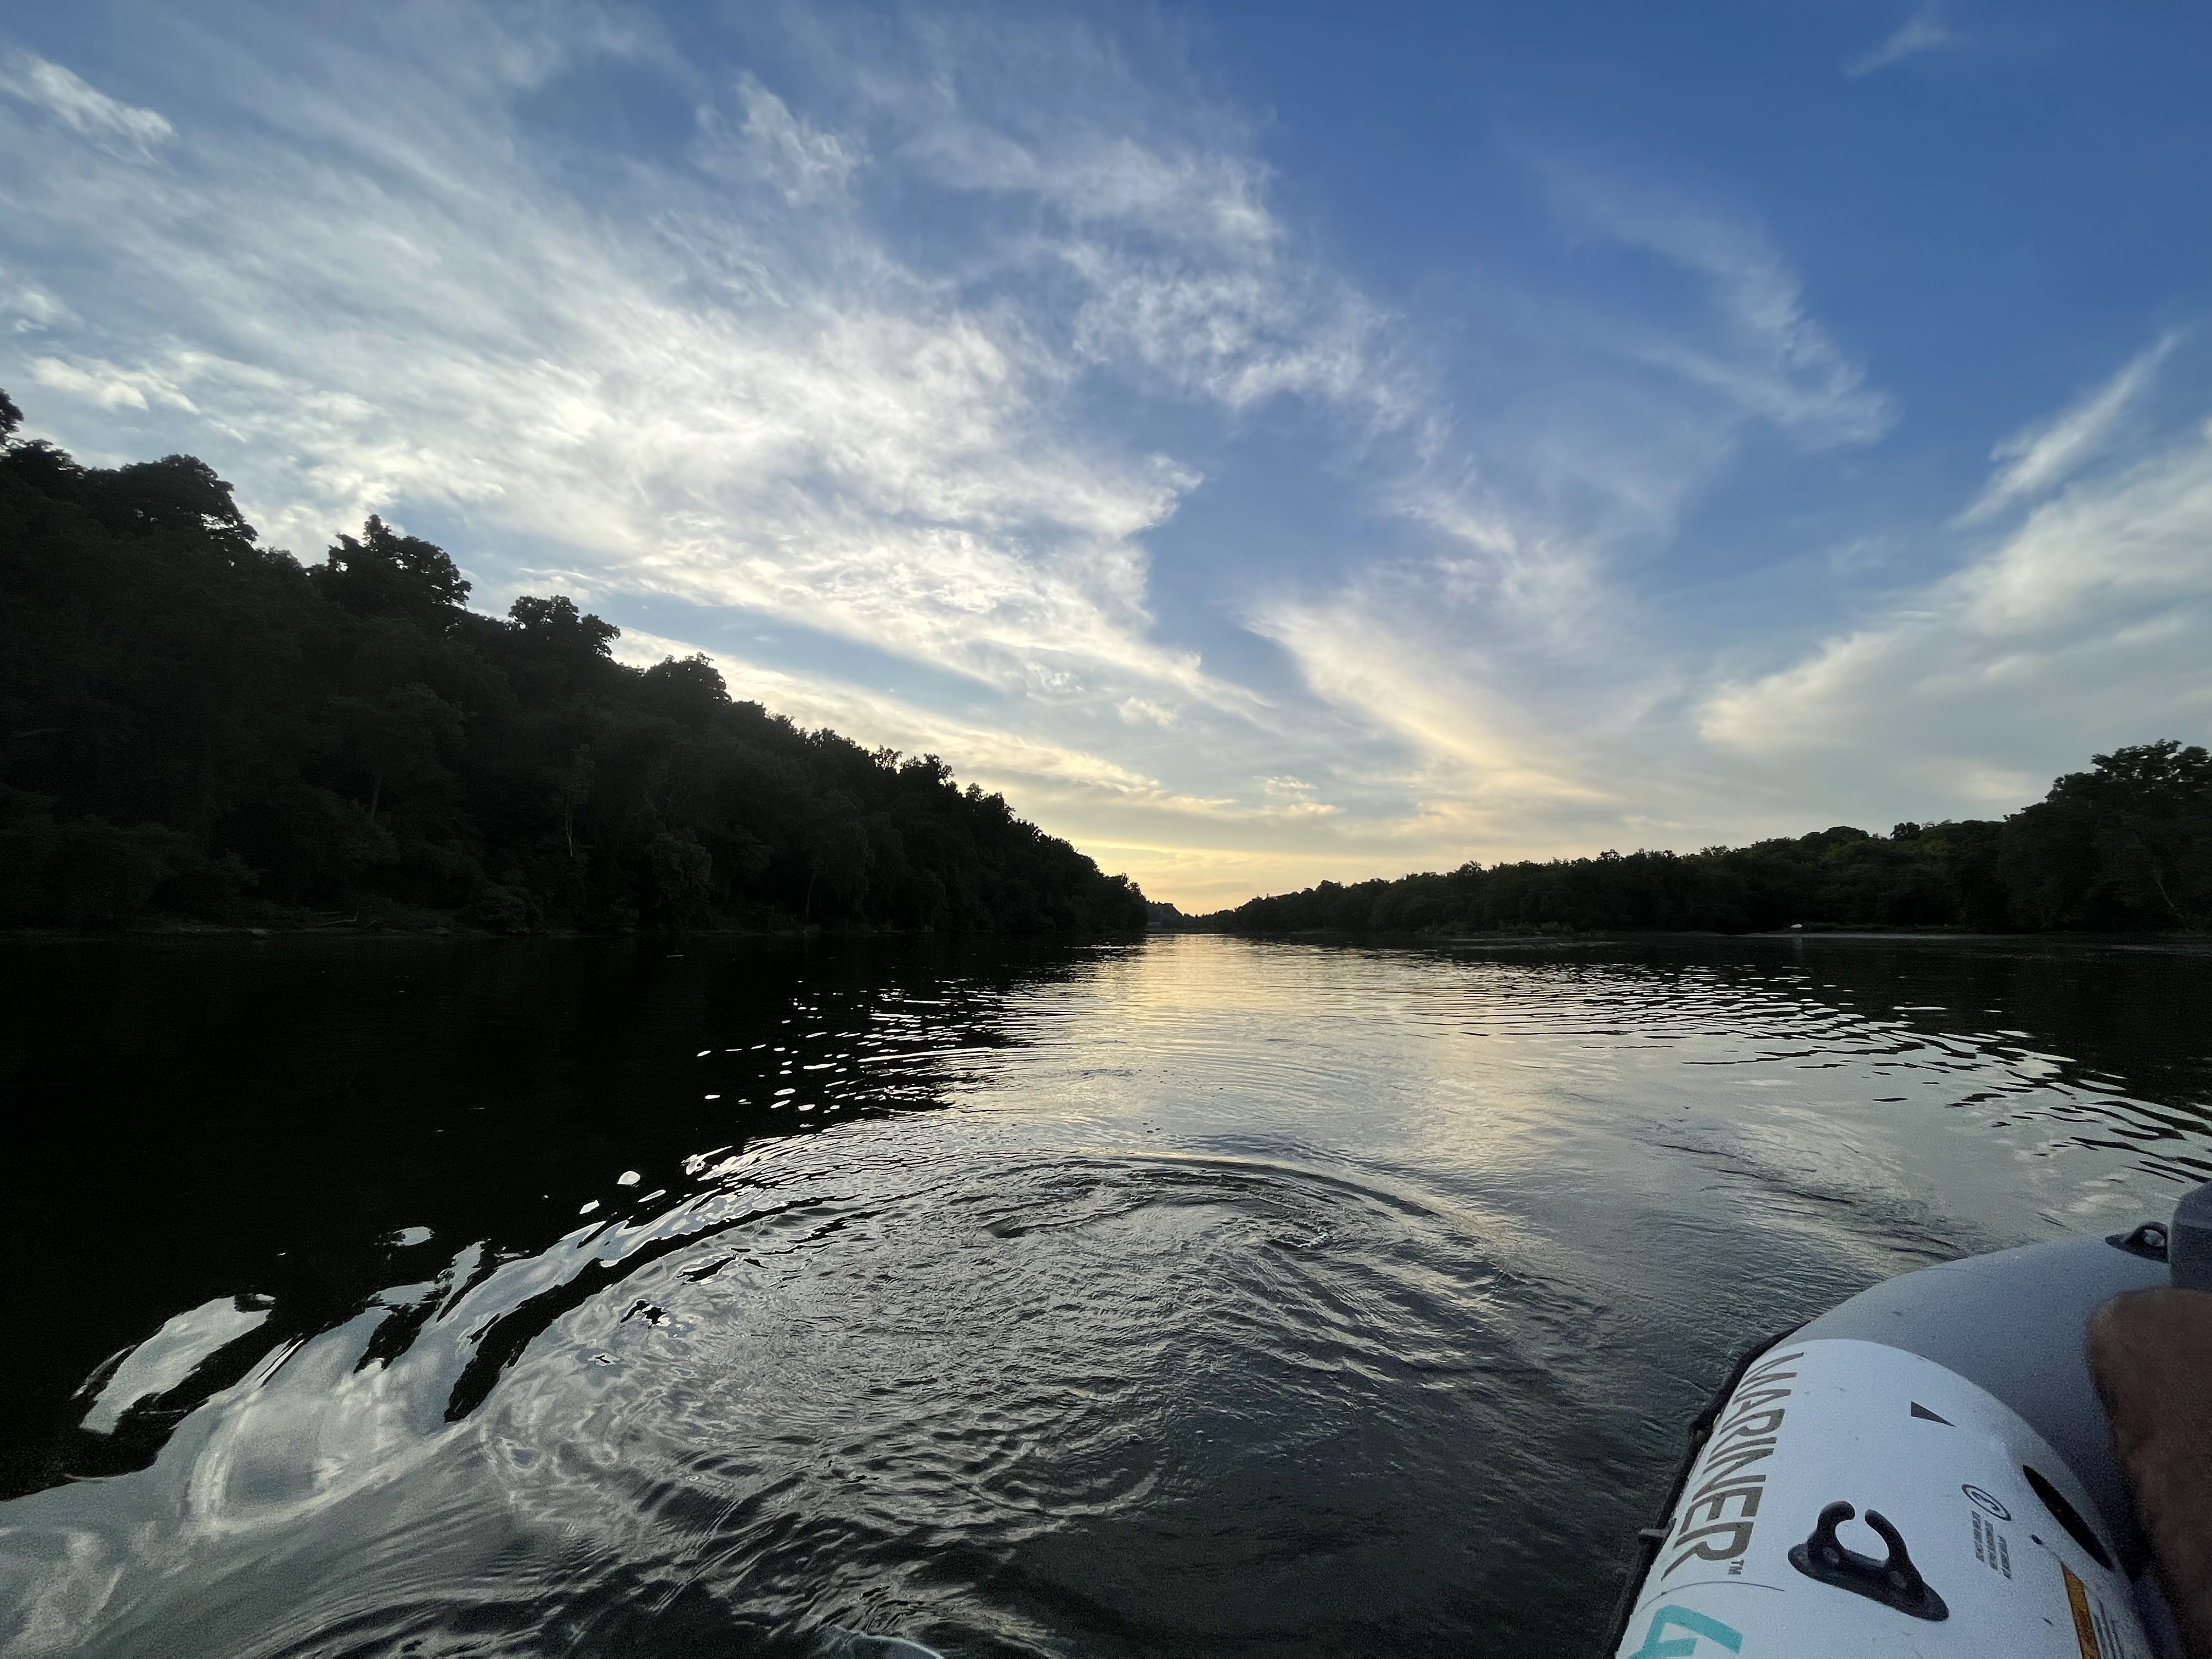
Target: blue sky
[{"x": 1269, "y": 441}]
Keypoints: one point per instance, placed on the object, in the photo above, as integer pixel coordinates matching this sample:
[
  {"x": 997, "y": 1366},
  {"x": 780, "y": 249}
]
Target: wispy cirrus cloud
[
  {"x": 1538, "y": 504},
  {"x": 2084, "y": 627},
  {"x": 1028, "y": 763},
  {"x": 2043, "y": 457},
  {"x": 1767, "y": 355},
  {"x": 1531, "y": 699},
  {"x": 2081, "y": 628},
  {"x": 119, "y": 128},
  {"x": 108, "y": 387},
  {"x": 1925, "y": 31}
]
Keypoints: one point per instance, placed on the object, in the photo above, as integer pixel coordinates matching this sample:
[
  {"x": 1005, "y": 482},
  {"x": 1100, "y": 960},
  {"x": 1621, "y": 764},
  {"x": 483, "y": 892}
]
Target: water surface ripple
[{"x": 1199, "y": 1297}]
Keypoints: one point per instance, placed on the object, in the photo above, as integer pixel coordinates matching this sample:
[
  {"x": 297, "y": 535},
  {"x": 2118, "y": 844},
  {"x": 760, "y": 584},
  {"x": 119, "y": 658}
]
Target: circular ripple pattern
[{"x": 1204, "y": 1298}]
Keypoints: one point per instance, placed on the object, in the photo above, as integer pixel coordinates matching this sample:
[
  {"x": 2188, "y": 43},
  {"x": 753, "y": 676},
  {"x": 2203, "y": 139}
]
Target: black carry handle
[{"x": 1894, "y": 1582}]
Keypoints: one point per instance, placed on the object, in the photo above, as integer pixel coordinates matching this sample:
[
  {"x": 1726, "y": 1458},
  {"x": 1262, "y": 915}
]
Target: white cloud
[
  {"x": 1531, "y": 703},
  {"x": 119, "y": 127},
  {"x": 108, "y": 387},
  {"x": 33, "y": 308},
  {"x": 1487, "y": 767},
  {"x": 1183, "y": 270},
  {"x": 798, "y": 158},
  {"x": 1581, "y": 461},
  {"x": 1239, "y": 337},
  {"x": 2085, "y": 629},
  {"x": 1508, "y": 573},
  {"x": 1770, "y": 359},
  {"x": 1028, "y": 765},
  {"x": 2043, "y": 457},
  {"x": 1552, "y": 717},
  {"x": 879, "y": 720},
  {"x": 1925, "y": 31}
]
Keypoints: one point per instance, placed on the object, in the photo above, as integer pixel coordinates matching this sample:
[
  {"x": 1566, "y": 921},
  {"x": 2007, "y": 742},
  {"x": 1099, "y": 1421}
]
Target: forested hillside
[
  {"x": 2125, "y": 845},
  {"x": 196, "y": 726}
]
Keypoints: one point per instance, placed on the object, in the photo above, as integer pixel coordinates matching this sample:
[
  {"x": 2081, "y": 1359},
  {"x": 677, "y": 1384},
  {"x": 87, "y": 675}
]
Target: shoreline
[
  {"x": 186, "y": 932},
  {"x": 2177, "y": 942},
  {"x": 454, "y": 933}
]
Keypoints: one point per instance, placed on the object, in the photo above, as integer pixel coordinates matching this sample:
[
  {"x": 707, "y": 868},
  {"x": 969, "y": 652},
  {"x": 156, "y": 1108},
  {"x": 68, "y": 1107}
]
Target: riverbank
[
  {"x": 1531, "y": 940},
  {"x": 184, "y": 929}
]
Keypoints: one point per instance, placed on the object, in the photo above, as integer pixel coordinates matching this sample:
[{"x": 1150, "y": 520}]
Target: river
[{"x": 1195, "y": 1296}]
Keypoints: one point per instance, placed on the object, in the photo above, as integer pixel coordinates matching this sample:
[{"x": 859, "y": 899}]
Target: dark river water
[{"x": 1193, "y": 1297}]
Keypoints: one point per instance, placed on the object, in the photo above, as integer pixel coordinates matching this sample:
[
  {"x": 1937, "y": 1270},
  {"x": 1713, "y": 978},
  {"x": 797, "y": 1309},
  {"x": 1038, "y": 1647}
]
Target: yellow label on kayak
[{"x": 2085, "y": 1625}]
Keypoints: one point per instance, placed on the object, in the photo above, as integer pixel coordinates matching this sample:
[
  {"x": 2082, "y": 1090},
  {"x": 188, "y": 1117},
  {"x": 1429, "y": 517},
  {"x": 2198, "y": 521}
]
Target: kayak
[{"x": 1924, "y": 1469}]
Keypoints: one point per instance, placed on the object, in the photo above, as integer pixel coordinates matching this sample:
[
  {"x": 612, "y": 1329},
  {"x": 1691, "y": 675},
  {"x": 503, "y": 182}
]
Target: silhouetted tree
[
  {"x": 195, "y": 724},
  {"x": 2126, "y": 845}
]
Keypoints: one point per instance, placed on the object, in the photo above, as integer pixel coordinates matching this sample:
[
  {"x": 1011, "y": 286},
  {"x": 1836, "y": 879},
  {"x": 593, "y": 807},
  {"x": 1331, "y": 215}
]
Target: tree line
[
  {"x": 198, "y": 726},
  {"x": 2125, "y": 846}
]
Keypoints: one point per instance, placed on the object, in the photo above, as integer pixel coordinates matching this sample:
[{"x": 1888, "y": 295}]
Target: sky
[{"x": 1269, "y": 442}]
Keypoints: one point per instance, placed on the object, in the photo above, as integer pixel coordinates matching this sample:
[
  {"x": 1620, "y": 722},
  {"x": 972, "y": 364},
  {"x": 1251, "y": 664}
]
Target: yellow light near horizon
[{"x": 1198, "y": 879}]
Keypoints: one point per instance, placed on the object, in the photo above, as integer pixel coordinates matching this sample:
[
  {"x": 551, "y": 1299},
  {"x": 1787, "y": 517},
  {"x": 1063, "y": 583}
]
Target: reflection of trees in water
[{"x": 313, "y": 1122}]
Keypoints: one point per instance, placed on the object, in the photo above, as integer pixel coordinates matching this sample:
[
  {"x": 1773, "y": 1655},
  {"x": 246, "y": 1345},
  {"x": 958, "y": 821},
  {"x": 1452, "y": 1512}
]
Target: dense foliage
[
  {"x": 195, "y": 725},
  {"x": 2127, "y": 844}
]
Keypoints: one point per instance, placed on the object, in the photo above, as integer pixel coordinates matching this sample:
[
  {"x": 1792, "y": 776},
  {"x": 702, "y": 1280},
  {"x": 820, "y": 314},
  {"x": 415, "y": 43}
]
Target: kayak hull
[{"x": 1924, "y": 1469}]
